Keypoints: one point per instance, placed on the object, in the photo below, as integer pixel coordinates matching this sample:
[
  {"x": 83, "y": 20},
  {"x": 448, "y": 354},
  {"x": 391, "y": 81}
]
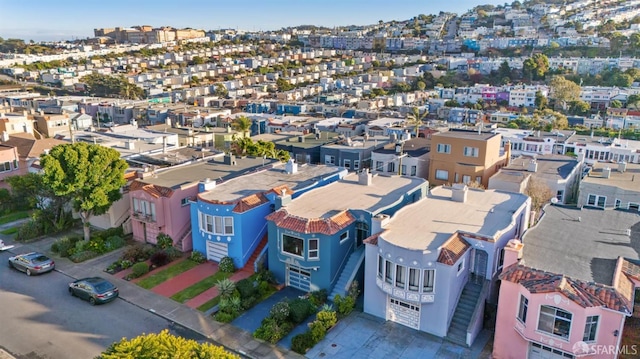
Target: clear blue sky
[{"x": 43, "y": 20}]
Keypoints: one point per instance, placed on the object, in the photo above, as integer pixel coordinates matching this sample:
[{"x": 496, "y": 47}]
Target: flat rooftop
[
  {"x": 549, "y": 166},
  {"x": 627, "y": 180},
  {"x": 348, "y": 193},
  {"x": 215, "y": 169},
  {"x": 263, "y": 181},
  {"x": 471, "y": 135},
  {"x": 429, "y": 223},
  {"x": 582, "y": 243}
]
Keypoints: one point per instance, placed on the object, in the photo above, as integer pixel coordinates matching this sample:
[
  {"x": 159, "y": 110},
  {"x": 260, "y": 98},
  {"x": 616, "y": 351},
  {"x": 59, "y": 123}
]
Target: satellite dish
[{"x": 554, "y": 200}]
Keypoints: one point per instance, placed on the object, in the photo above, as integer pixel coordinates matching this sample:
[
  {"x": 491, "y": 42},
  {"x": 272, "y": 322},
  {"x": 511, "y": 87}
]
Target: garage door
[
  {"x": 298, "y": 278},
  {"x": 539, "y": 351},
  {"x": 405, "y": 313},
  {"x": 216, "y": 250}
]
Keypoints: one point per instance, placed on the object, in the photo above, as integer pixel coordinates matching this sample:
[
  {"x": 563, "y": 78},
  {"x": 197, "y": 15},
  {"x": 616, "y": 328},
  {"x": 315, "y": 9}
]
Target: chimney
[
  {"x": 206, "y": 185},
  {"x": 229, "y": 159},
  {"x": 379, "y": 222},
  {"x": 622, "y": 166},
  {"x": 459, "y": 192},
  {"x": 283, "y": 200},
  {"x": 300, "y": 138},
  {"x": 512, "y": 252},
  {"x": 291, "y": 166},
  {"x": 606, "y": 172},
  {"x": 5, "y": 136},
  {"x": 164, "y": 144},
  {"x": 365, "y": 177},
  {"x": 533, "y": 166},
  {"x": 130, "y": 145},
  {"x": 507, "y": 152}
]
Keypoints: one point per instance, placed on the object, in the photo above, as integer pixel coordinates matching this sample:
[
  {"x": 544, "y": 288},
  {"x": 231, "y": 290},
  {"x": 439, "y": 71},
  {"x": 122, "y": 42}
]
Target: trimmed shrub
[
  {"x": 83, "y": 256},
  {"x": 280, "y": 311},
  {"x": 318, "y": 297},
  {"x": 173, "y": 253},
  {"x": 302, "y": 342},
  {"x": 263, "y": 288},
  {"x": 114, "y": 242},
  {"x": 198, "y": 257},
  {"x": 111, "y": 232},
  {"x": 63, "y": 245},
  {"x": 224, "y": 317},
  {"x": 300, "y": 309},
  {"x": 272, "y": 331},
  {"x": 96, "y": 244},
  {"x": 231, "y": 305},
  {"x": 344, "y": 305},
  {"x": 246, "y": 288},
  {"x": 139, "y": 269},
  {"x": 266, "y": 275},
  {"x": 30, "y": 230},
  {"x": 135, "y": 253},
  {"x": 226, "y": 265},
  {"x": 125, "y": 263},
  {"x": 318, "y": 330},
  {"x": 159, "y": 259},
  {"x": 248, "y": 302},
  {"x": 327, "y": 318},
  {"x": 164, "y": 241}
]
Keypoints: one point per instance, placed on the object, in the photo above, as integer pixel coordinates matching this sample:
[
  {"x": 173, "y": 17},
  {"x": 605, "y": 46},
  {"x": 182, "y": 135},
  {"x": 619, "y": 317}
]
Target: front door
[
  {"x": 479, "y": 268},
  {"x": 362, "y": 233}
]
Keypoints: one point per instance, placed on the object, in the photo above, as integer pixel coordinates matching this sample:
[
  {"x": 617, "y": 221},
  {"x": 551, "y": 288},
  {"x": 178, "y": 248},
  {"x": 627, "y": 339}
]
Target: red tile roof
[
  {"x": 453, "y": 249},
  {"x": 373, "y": 239},
  {"x": 250, "y": 202},
  {"x": 152, "y": 189},
  {"x": 582, "y": 293},
  {"x": 328, "y": 226}
]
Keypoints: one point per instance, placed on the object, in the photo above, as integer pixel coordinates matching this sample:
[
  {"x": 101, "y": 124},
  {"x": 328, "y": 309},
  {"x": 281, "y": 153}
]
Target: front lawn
[
  {"x": 9, "y": 231},
  {"x": 203, "y": 285},
  {"x": 165, "y": 274},
  {"x": 14, "y": 216}
]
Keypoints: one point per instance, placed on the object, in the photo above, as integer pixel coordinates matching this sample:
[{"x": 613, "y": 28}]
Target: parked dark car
[
  {"x": 95, "y": 289},
  {"x": 32, "y": 263}
]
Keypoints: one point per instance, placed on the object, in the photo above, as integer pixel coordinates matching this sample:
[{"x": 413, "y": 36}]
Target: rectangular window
[
  {"x": 379, "y": 166},
  {"x": 590, "y": 329},
  {"x": 560, "y": 195},
  {"x": 400, "y": 276},
  {"x": 292, "y": 245},
  {"x": 403, "y": 170},
  {"x": 15, "y": 164},
  {"x": 5, "y": 166},
  {"x": 388, "y": 274},
  {"x": 471, "y": 151},
  {"x": 427, "y": 280},
  {"x": 184, "y": 201},
  {"x": 329, "y": 160},
  {"x": 522, "y": 311},
  {"x": 500, "y": 258},
  {"x": 380, "y": 266},
  {"x": 634, "y": 206},
  {"x": 602, "y": 201},
  {"x": 343, "y": 237},
  {"x": 554, "y": 321},
  {"x": 443, "y": 148},
  {"x": 442, "y": 175},
  {"x": 347, "y": 164},
  {"x": 356, "y": 165},
  {"x": 228, "y": 225},
  {"x": 313, "y": 249},
  {"x": 391, "y": 167},
  {"x": 414, "y": 279},
  {"x": 217, "y": 225},
  {"x": 479, "y": 179},
  {"x": 414, "y": 170},
  {"x": 461, "y": 266},
  {"x": 466, "y": 179},
  {"x": 618, "y": 203}
]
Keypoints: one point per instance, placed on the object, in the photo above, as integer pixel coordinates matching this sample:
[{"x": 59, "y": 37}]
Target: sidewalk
[{"x": 226, "y": 334}]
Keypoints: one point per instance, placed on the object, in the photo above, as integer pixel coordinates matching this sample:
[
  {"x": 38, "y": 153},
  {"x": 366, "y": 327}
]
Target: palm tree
[
  {"x": 414, "y": 118},
  {"x": 242, "y": 124}
]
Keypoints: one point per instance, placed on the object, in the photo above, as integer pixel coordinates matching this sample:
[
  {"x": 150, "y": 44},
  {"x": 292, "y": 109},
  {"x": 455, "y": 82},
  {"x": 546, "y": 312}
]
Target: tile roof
[
  {"x": 152, "y": 189},
  {"x": 250, "y": 202},
  {"x": 453, "y": 249},
  {"x": 328, "y": 226},
  {"x": 585, "y": 294},
  {"x": 30, "y": 147},
  {"x": 373, "y": 239}
]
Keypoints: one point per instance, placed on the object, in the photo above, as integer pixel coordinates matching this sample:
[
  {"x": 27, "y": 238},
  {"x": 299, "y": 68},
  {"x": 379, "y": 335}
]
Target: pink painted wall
[
  {"x": 9, "y": 154},
  {"x": 512, "y": 337}
]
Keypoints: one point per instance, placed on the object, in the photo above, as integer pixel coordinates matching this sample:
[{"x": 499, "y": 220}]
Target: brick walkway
[
  {"x": 211, "y": 293},
  {"x": 186, "y": 279}
]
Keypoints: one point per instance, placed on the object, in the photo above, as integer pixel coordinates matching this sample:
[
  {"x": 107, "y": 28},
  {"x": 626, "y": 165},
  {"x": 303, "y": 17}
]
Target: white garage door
[
  {"x": 539, "y": 351},
  {"x": 405, "y": 313},
  {"x": 216, "y": 250},
  {"x": 298, "y": 278}
]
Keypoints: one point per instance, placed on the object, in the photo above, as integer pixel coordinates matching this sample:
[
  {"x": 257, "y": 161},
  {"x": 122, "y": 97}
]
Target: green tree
[
  {"x": 580, "y": 108},
  {"x": 536, "y": 67},
  {"x": 198, "y": 60},
  {"x": 242, "y": 124},
  {"x": 414, "y": 119},
  {"x": 90, "y": 176},
  {"x": 615, "y": 104},
  {"x": 541, "y": 101},
  {"x": 564, "y": 91},
  {"x": 164, "y": 345},
  {"x": 283, "y": 85},
  {"x": 633, "y": 101},
  {"x": 221, "y": 91}
]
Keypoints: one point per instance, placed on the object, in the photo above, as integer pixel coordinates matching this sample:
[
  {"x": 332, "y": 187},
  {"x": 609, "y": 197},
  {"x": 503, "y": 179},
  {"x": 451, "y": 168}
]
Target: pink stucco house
[
  {"x": 568, "y": 286},
  {"x": 8, "y": 163}
]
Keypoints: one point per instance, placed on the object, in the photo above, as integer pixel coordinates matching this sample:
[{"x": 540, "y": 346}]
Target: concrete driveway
[{"x": 362, "y": 335}]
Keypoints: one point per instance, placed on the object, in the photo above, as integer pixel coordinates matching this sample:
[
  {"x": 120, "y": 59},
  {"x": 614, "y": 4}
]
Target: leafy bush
[
  {"x": 266, "y": 275},
  {"x": 226, "y": 265},
  {"x": 224, "y": 317},
  {"x": 318, "y": 330},
  {"x": 263, "y": 287},
  {"x": 302, "y": 342},
  {"x": 327, "y": 318},
  {"x": 82, "y": 256},
  {"x": 164, "y": 345},
  {"x": 111, "y": 232},
  {"x": 135, "y": 253},
  {"x": 280, "y": 311},
  {"x": 272, "y": 331},
  {"x": 198, "y": 257},
  {"x": 30, "y": 230},
  {"x": 63, "y": 245},
  {"x": 96, "y": 244},
  {"x": 114, "y": 242},
  {"x": 159, "y": 259},
  {"x": 226, "y": 287},
  {"x": 173, "y": 253},
  {"x": 318, "y": 297},
  {"x": 231, "y": 305},
  {"x": 248, "y": 302},
  {"x": 164, "y": 241},
  {"x": 345, "y": 305},
  {"x": 300, "y": 309},
  {"x": 125, "y": 263},
  {"x": 139, "y": 269},
  {"x": 246, "y": 288}
]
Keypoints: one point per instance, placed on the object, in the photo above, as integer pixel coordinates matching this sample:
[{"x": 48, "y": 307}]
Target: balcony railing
[
  {"x": 143, "y": 217},
  {"x": 403, "y": 293}
]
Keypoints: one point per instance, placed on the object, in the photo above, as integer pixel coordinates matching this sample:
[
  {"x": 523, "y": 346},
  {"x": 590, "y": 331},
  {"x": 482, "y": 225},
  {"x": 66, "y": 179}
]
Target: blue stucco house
[
  {"x": 228, "y": 218},
  {"x": 316, "y": 240}
]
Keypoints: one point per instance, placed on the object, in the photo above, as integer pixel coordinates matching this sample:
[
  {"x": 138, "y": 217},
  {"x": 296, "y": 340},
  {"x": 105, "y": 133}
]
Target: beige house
[
  {"x": 459, "y": 156},
  {"x": 611, "y": 185},
  {"x": 50, "y": 125}
]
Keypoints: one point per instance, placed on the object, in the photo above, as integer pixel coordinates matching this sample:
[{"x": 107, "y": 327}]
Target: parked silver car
[{"x": 32, "y": 263}]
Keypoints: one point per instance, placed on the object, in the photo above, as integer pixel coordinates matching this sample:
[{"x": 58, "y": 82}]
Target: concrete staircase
[
  {"x": 348, "y": 273},
  {"x": 252, "y": 260},
  {"x": 464, "y": 311}
]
